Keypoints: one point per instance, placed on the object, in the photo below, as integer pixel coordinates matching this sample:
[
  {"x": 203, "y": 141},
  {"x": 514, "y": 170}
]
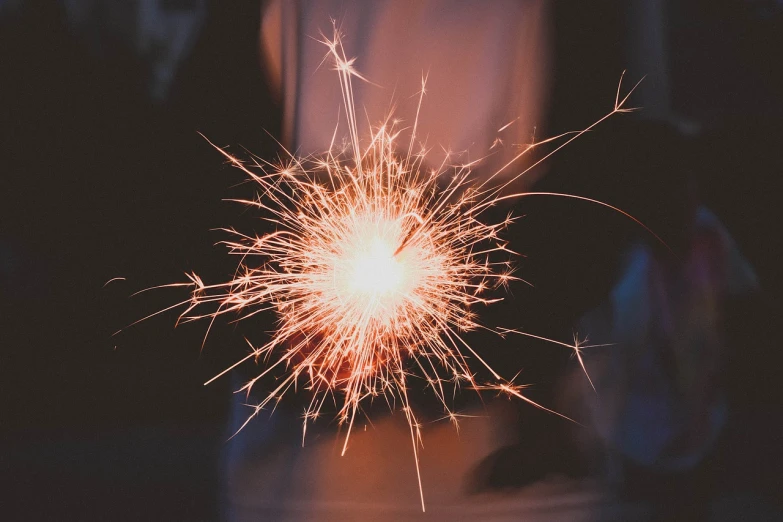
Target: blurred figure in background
[
  {"x": 661, "y": 404},
  {"x": 487, "y": 64}
]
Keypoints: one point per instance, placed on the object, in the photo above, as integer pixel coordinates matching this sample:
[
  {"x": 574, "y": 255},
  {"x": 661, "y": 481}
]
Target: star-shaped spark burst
[{"x": 374, "y": 269}]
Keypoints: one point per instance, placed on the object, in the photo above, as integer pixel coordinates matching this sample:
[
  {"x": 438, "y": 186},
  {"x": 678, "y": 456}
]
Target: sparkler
[{"x": 374, "y": 270}]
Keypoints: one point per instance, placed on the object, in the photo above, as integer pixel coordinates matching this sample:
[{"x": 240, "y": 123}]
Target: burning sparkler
[{"x": 374, "y": 269}]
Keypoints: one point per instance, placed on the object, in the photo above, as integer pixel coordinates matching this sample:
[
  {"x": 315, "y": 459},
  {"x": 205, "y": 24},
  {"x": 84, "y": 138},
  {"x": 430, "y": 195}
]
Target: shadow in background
[{"x": 100, "y": 181}]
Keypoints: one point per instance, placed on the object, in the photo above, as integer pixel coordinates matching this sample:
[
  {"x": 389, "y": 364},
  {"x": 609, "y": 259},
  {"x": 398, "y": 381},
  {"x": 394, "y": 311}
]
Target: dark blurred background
[{"x": 103, "y": 175}]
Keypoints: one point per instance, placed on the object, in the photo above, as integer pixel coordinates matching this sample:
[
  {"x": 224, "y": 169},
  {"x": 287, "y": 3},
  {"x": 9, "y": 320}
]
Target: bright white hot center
[
  {"x": 368, "y": 277},
  {"x": 374, "y": 269}
]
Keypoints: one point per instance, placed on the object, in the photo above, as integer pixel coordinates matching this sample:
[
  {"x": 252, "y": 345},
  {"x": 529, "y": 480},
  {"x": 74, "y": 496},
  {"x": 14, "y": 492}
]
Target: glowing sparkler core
[{"x": 368, "y": 273}]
